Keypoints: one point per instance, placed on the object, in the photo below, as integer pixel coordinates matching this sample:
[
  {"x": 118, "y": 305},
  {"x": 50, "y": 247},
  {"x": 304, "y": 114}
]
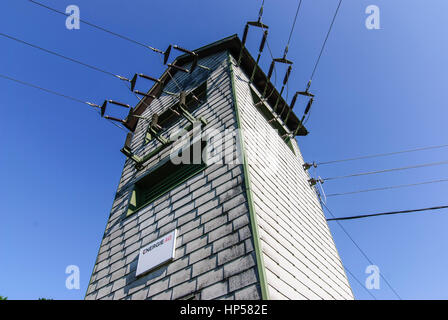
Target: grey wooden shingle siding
[
  {"x": 300, "y": 258},
  {"x": 214, "y": 256}
]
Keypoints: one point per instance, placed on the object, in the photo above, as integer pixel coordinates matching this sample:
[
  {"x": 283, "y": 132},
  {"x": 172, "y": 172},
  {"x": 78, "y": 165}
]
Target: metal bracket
[
  {"x": 256, "y": 24},
  {"x": 271, "y": 69},
  {"x": 126, "y": 150},
  {"x": 260, "y": 50},
  {"x": 194, "y": 64},
  {"x": 312, "y": 182},
  {"x": 144, "y": 76},
  {"x": 285, "y": 80},
  {"x": 307, "y": 165}
]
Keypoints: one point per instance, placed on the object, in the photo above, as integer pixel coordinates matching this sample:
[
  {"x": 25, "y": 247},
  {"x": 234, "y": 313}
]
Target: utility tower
[{"x": 239, "y": 221}]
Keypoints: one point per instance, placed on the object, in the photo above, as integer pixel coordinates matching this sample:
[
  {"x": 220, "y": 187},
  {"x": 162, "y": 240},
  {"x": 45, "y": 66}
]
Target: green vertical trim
[{"x": 253, "y": 217}]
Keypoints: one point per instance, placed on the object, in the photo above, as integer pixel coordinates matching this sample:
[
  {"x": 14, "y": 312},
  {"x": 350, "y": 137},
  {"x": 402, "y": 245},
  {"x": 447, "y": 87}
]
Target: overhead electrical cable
[
  {"x": 424, "y": 165},
  {"x": 362, "y": 216},
  {"x": 360, "y": 250},
  {"x": 387, "y": 188},
  {"x": 71, "y": 60},
  {"x": 64, "y": 57},
  {"x": 55, "y": 93},
  {"x": 285, "y": 53},
  {"x": 325, "y": 42},
  {"x": 307, "y": 93},
  {"x": 99, "y": 27},
  {"x": 43, "y": 89},
  {"x": 381, "y": 154},
  {"x": 109, "y": 31},
  {"x": 292, "y": 28}
]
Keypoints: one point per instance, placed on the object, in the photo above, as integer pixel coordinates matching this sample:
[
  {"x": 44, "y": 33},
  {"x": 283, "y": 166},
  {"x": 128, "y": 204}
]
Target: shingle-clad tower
[{"x": 213, "y": 201}]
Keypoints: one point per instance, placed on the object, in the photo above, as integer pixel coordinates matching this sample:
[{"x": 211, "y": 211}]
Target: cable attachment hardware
[
  {"x": 285, "y": 81},
  {"x": 122, "y": 121},
  {"x": 145, "y": 94},
  {"x": 119, "y": 103},
  {"x": 194, "y": 55},
  {"x": 144, "y": 76},
  {"x": 102, "y": 107},
  {"x": 256, "y": 24},
  {"x": 115, "y": 119},
  {"x": 260, "y": 50},
  {"x": 312, "y": 182},
  {"x": 294, "y": 99},
  {"x": 271, "y": 69},
  {"x": 122, "y": 78},
  {"x": 307, "y": 165},
  {"x": 127, "y": 151},
  {"x": 305, "y": 93},
  {"x": 166, "y": 54}
]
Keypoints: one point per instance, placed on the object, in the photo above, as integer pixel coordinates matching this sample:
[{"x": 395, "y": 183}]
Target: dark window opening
[{"x": 163, "y": 178}]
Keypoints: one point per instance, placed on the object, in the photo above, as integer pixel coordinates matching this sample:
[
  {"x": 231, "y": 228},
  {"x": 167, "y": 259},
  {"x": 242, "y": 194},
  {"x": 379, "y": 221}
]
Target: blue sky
[{"x": 377, "y": 91}]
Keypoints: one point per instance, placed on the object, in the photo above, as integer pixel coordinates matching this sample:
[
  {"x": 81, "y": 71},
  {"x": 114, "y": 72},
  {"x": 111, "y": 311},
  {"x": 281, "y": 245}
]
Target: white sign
[{"x": 156, "y": 253}]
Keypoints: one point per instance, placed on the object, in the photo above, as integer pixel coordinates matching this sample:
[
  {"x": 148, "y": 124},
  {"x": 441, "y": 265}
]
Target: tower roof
[{"x": 233, "y": 45}]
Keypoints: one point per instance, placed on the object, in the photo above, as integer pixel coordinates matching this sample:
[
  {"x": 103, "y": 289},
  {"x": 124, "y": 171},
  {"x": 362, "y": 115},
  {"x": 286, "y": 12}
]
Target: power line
[
  {"x": 272, "y": 56},
  {"x": 43, "y": 89},
  {"x": 75, "y": 61},
  {"x": 386, "y": 213},
  {"x": 432, "y": 164},
  {"x": 325, "y": 42},
  {"x": 285, "y": 52},
  {"x": 99, "y": 27},
  {"x": 360, "y": 250},
  {"x": 55, "y": 93},
  {"x": 78, "y": 62},
  {"x": 381, "y": 155},
  {"x": 292, "y": 28},
  {"x": 71, "y": 60},
  {"x": 63, "y": 57},
  {"x": 387, "y": 188}
]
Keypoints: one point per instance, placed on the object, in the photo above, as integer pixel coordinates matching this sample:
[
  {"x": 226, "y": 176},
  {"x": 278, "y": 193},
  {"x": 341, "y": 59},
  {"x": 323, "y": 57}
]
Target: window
[
  {"x": 163, "y": 178},
  {"x": 268, "y": 115}
]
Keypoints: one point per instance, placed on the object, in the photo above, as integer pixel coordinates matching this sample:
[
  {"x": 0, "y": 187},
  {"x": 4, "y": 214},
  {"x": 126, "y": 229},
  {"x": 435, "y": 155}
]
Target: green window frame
[
  {"x": 163, "y": 178},
  {"x": 160, "y": 181}
]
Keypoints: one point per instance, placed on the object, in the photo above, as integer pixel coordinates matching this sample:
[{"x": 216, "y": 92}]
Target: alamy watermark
[
  {"x": 72, "y": 281},
  {"x": 213, "y": 146},
  {"x": 373, "y": 20},
  {"x": 373, "y": 280},
  {"x": 73, "y": 19}
]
